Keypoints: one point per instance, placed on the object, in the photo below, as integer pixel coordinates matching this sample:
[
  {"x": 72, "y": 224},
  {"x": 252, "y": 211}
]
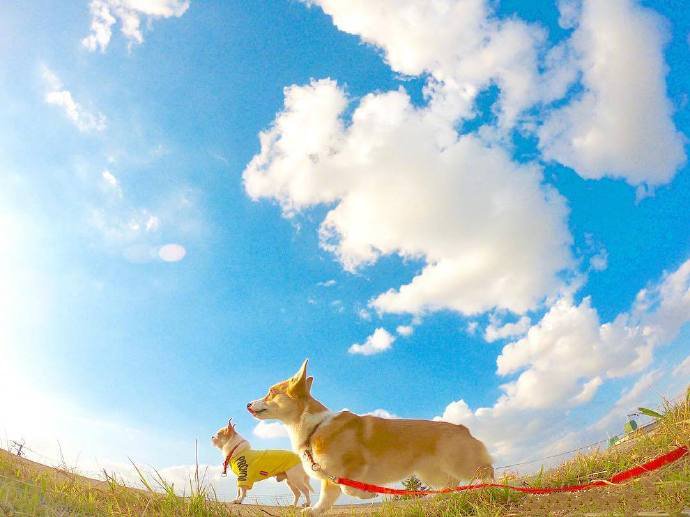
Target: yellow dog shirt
[{"x": 252, "y": 466}]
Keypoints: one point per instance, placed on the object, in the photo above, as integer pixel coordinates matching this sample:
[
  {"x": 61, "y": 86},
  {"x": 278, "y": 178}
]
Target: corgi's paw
[{"x": 237, "y": 501}]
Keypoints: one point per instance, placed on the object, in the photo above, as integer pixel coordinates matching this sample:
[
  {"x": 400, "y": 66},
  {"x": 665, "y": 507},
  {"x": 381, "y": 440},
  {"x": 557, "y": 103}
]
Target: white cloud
[
  {"x": 380, "y": 172},
  {"x": 380, "y": 341},
  {"x": 270, "y": 430},
  {"x": 496, "y": 236},
  {"x": 620, "y": 126},
  {"x": 106, "y": 13},
  {"x": 57, "y": 95},
  {"x": 472, "y": 327},
  {"x": 683, "y": 369},
  {"x": 639, "y": 390},
  {"x": 570, "y": 11},
  {"x": 112, "y": 183},
  {"x": 122, "y": 226},
  {"x": 382, "y": 413},
  {"x": 568, "y": 355},
  {"x": 405, "y": 330},
  {"x": 566, "y": 350},
  {"x": 600, "y": 261},
  {"x": 338, "y": 306},
  {"x": 639, "y": 393},
  {"x": 110, "y": 179},
  {"x": 587, "y": 392},
  {"x": 494, "y": 331},
  {"x": 327, "y": 283},
  {"x": 152, "y": 223},
  {"x": 461, "y": 44}
]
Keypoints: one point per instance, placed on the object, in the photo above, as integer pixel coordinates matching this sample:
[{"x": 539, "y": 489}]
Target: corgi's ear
[
  {"x": 230, "y": 426},
  {"x": 299, "y": 385}
]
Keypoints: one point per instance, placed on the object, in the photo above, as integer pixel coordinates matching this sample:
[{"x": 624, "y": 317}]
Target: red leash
[
  {"x": 621, "y": 477},
  {"x": 228, "y": 458}
]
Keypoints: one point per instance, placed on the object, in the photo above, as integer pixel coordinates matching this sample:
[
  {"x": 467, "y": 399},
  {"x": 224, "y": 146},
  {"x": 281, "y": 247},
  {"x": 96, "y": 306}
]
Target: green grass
[{"x": 27, "y": 488}]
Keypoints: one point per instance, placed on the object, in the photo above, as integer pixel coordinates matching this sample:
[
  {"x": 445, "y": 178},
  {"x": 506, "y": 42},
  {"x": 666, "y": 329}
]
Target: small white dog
[{"x": 251, "y": 466}]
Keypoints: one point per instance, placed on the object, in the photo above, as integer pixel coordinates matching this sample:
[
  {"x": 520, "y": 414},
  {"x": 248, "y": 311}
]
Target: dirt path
[{"x": 345, "y": 510}]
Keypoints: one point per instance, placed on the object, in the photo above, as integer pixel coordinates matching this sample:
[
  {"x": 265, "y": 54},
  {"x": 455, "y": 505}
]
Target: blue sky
[{"x": 525, "y": 164}]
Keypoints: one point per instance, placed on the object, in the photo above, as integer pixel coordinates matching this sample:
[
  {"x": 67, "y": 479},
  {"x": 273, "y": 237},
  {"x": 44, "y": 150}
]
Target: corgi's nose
[{"x": 249, "y": 406}]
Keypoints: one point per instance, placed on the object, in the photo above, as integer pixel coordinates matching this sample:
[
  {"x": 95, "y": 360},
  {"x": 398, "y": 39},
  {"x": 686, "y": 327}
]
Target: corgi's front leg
[
  {"x": 329, "y": 493},
  {"x": 241, "y": 494}
]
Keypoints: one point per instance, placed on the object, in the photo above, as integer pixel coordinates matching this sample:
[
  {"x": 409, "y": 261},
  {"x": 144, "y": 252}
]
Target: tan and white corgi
[
  {"x": 367, "y": 448},
  {"x": 252, "y": 465}
]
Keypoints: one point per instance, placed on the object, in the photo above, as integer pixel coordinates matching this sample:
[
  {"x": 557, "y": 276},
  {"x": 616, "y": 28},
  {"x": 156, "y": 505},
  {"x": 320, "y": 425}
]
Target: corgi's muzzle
[{"x": 254, "y": 411}]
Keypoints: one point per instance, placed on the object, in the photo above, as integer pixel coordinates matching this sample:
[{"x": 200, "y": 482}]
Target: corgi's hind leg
[{"x": 354, "y": 492}]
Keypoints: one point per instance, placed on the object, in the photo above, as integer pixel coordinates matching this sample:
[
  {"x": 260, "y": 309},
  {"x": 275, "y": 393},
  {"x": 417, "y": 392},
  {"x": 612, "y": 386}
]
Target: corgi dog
[
  {"x": 251, "y": 466},
  {"x": 367, "y": 448}
]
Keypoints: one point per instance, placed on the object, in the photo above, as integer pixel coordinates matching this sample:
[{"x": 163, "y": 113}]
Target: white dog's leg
[
  {"x": 295, "y": 490},
  {"x": 241, "y": 494},
  {"x": 306, "y": 490},
  {"x": 329, "y": 493}
]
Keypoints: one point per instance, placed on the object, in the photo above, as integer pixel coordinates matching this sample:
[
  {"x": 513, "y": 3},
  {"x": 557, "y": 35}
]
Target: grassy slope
[{"x": 27, "y": 488}]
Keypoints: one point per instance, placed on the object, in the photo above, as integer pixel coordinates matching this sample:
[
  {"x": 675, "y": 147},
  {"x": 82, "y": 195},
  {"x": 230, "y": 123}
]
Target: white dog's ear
[
  {"x": 310, "y": 381},
  {"x": 230, "y": 425},
  {"x": 299, "y": 384}
]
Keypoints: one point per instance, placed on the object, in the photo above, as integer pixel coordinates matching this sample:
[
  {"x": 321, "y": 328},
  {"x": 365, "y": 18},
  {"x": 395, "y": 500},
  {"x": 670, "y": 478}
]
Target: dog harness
[{"x": 252, "y": 466}]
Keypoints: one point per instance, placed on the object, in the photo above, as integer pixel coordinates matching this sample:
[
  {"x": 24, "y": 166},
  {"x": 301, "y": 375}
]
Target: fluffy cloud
[
  {"x": 270, "y": 430},
  {"x": 105, "y": 13},
  {"x": 57, "y": 95},
  {"x": 620, "y": 126},
  {"x": 683, "y": 369},
  {"x": 111, "y": 183},
  {"x": 496, "y": 236},
  {"x": 494, "y": 331},
  {"x": 405, "y": 330},
  {"x": 567, "y": 350},
  {"x": 380, "y": 341},
  {"x": 568, "y": 355},
  {"x": 460, "y": 43},
  {"x": 382, "y": 413}
]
